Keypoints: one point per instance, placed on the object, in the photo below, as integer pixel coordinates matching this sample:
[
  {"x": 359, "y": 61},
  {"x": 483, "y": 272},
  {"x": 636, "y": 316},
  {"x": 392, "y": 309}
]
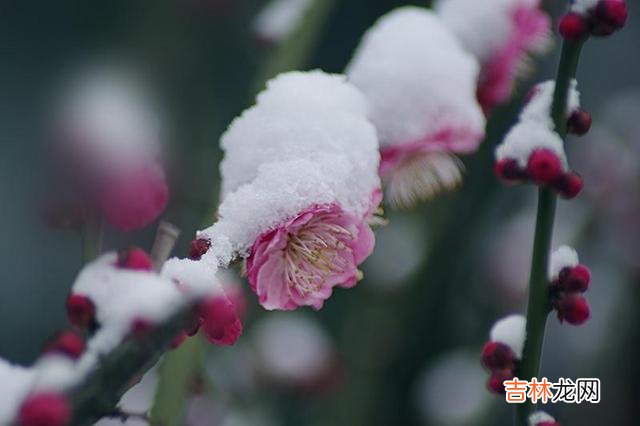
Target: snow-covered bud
[
  {"x": 198, "y": 247},
  {"x": 544, "y": 166},
  {"x": 609, "y": 16},
  {"x": 134, "y": 258},
  {"x": 220, "y": 322},
  {"x": 498, "y": 356},
  {"x": 573, "y": 308},
  {"x": 80, "y": 311},
  {"x": 574, "y": 278},
  {"x": 579, "y": 122},
  {"x": 421, "y": 88},
  {"x": 573, "y": 26},
  {"x": 569, "y": 185},
  {"x": 540, "y": 418},
  {"x": 44, "y": 409},
  {"x": 496, "y": 380},
  {"x": 67, "y": 343},
  {"x": 510, "y": 331},
  {"x": 517, "y": 29}
]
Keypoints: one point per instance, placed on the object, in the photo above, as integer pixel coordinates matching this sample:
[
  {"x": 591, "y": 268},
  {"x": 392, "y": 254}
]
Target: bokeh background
[{"x": 402, "y": 347}]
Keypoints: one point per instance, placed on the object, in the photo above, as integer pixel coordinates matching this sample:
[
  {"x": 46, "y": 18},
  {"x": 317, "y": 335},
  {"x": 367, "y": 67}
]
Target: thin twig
[
  {"x": 166, "y": 238},
  {"x": 538, "y": 304}
]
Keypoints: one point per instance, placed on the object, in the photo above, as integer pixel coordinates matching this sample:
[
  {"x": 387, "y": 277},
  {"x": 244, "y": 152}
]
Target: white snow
[
  {"x": 416, "y": 77},
  {"x": 583, "y": 6},
  {"x": 527, "y": 136},
  {"x": 539, "y": 417},
  {"x": 511, "y": 331},
  {"x": 279, "y": 18},
  {"x": 483, "y": 27},
  {"x": 562, "y": 257},
  {"x": 539, "y": 107},
  {"x": 301, "y": 115},
  {"x": 15, "y": 385}
]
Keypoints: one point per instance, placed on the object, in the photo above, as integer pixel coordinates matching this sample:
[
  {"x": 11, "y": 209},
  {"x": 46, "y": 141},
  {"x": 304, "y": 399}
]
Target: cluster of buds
[
  {"x": 569, "y": 280},
  {"x": 501, "y": 355},
  {"x": 533, "y": 151},
  {"x": 593, "y": 17},
  {"x": 540, "y": 418}
]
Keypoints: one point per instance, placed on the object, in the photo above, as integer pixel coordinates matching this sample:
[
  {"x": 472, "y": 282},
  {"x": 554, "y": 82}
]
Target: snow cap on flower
[
  {"x": 420, "y": 85},
  {"x": 511, "y": 331},
  {"x": 279, "y": 18},
  {"x": 300, "y": 115},
  {"x": 501, "y": 34},
  {"x": 561, "y": 258},
  {"x": 419, "y": 81},
  {"x": 540, "y": 418}
]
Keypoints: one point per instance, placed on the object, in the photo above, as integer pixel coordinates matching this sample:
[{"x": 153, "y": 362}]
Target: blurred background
[{"x": 403, "y": 346}]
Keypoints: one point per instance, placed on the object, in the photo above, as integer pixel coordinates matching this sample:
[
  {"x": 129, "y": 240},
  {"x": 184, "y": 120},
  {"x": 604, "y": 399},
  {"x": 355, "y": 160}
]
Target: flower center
[{"x": 315, "y": 253}]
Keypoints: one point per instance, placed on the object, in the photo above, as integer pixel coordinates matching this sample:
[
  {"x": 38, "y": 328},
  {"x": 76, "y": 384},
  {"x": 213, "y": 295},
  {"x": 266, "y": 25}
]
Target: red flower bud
[
  {"x": 221, "y": 324},
  {"x": 544, "y": 166},
  {"x": 575, "y": 279},
  {"x": 569, "y": 185},
  {"x": 508, "y": 170},
  {"x": 81, "y": 310},
  {"x": 498, "y": 356},
  {"x": 573, "y": 308},
  {"x": 66, "y": 343},
  {"x": 134, "y": 258},
  {"x": 44, "y": 409},
  {"x": 579, "y": 122},
  {"x": 199, "y": 246},
  {"x": 495, "y": 383},
  {"x": 609, "y": 16},
  {"x": 573, "y": 26}
]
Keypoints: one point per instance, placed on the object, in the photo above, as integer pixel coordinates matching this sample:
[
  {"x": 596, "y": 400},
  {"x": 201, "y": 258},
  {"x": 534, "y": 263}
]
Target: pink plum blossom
[{"x": 300, "y": 261}]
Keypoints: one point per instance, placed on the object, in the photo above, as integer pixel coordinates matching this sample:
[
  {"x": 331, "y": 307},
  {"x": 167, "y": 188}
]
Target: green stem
[
  {"x": 91, "y": 239},
  {"x": 538, "y": 305}
]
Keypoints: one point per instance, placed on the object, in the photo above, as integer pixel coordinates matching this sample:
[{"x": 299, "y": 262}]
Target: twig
[
  {"x": 166, "y": 238},
  {"x": 538, "y": 306}
]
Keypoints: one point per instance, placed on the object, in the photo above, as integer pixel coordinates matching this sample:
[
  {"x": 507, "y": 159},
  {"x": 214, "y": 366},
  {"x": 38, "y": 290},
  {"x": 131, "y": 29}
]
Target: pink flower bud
[
  {"x": 498, "y": 356},
  {"x": 134, "y": 258},
  {"x": 544, "y": 166},
  {"x": 44, "y": 409},
  {"x": 495, "y": 383},
  {"x": 80, "y": 310},
  {"x": 573, "y": 26},
  {"x": 198, "y": 247},
  {"x": 66, "y": 343},
  {"x": 574, "y": 279},
  {"x": 221, "y": 324},
  {"x": 508, "y": 170},
  {"x": 133, "y": 201},
  {"x": 609, "y": 16},
  {"x": 579, "y": 122},
  {"x": 573, "y": 308},
  {"x": 569, "y": 185}
]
